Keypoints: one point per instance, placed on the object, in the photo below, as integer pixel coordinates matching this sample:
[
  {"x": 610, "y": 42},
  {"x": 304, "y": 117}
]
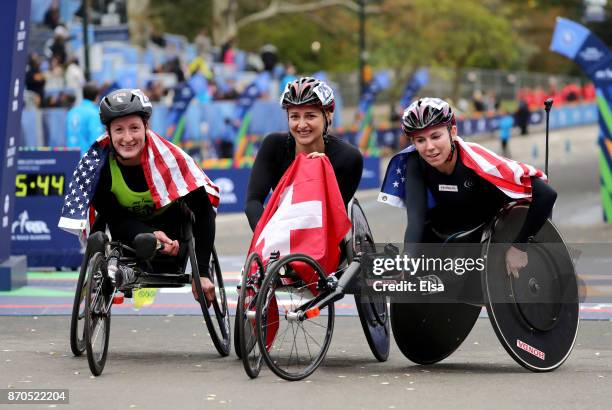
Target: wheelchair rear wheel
[
  {"x": 293, "y": 336},
  {"x": 250, "y": 354},
  {"x": 216, "y": 315},
  {"x": 373, "y": 311},
  {"x": 98, "y": 303}
]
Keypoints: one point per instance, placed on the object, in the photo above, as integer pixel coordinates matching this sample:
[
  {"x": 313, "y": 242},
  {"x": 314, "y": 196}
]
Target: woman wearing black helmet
[
  {"x": 310, "y": 106},
  {"x": 144, "y": 175},
  {"x": 467, "y": 182}
]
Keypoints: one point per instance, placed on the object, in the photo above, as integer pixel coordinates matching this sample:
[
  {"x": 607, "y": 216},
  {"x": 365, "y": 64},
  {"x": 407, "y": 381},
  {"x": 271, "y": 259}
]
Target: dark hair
[{"x": 91, "y": 91}]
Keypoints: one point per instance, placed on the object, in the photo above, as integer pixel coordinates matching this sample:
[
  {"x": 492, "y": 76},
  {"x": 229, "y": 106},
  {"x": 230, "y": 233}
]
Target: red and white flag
[
  {"x": 306, "y": 215},
  {"x": 169, "y": 171}
]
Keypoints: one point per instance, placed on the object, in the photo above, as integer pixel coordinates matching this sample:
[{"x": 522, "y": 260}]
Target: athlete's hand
[
  {"x": 515, "y": 260},
  {"x": 315, "y": 155},
  {"x": 170, "y": 247},
  {"x": 207, "y": 287}
]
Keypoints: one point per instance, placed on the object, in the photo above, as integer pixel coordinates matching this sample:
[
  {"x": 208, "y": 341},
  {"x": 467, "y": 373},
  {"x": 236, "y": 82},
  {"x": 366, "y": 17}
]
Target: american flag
[
  {"x": 170, "y": 173},
  {"x": 511, "y": 177}
]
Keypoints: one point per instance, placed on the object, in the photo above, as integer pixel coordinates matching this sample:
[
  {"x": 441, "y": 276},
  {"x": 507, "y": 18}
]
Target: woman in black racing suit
[
  {"x": 310, "y": 105},
  {"x": 464, "y": 198}
]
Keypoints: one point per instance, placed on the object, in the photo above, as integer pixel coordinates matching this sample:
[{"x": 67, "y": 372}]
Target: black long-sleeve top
[
  {"x": 465, "y": 200},
  {"x": 276, "y": 154}
]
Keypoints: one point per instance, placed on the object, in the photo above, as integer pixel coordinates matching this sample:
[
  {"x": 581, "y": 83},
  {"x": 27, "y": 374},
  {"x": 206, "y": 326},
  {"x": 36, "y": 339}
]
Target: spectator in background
[
  {"x": 588, "y": 92},
  {"x": 521, "y": 117},
  {"x": 75, "y": 78},
  {"x": 269, "y": 57},
  {"x": 83, "y": 124},
  {"x": 202, "y": 43},
  {"x": 506, "y": 122},
  {"x": 58, "y": 47},
  {"x": 35, "y": 79},
  {"x": 174, "y": 66},
  {"x": 157, "y": 38},
  {"x": 491, "y": 102},
  {"x": 288, "y": 77},
  {"x": 227, "y": 52},
  {"x": 571, "y": 93},
  {"x": 477, "y": 102},
  {"x": 154, "y": 90},
  {"x": 52, "y": 16}
]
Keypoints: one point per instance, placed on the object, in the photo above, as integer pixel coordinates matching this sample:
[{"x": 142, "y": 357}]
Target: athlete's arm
[
  {"x": 543, "y": 197},
  {"x": 416, "y": 204},
  {"x": 260, "y": 181},
  {"x": 348, "y": 182}
]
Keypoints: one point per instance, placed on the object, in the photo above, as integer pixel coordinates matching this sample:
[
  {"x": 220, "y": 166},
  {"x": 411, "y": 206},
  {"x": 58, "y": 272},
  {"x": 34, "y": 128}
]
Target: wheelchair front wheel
[
  {"x": 250, "y": 354},
  {"x": 216, "y": 315},
  {"x": 77, "y": 327},
  {"x": 98, "y": 303},
  {"x": 293, "y": 336}
]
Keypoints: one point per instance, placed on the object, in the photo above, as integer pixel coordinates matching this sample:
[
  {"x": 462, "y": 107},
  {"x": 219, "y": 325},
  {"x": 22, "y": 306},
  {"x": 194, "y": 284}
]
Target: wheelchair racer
[
  {"x": 310, "y": 107},
  {"x": 141, "y": 179},
  {"x": 468, "y": 183}
]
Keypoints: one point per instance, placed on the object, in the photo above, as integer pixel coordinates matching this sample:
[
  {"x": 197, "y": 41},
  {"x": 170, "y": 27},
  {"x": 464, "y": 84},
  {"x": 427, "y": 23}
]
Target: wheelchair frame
[
  {"x": 250, "y": 320},
  {"x": 95, "y": 293}
]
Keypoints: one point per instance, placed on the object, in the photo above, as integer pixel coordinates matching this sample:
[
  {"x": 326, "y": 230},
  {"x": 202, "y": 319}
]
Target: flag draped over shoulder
[
  {"x": 305, "y": 214},
  {"x": 509, "y": 176},
  {"x": 169, "y": 171}
]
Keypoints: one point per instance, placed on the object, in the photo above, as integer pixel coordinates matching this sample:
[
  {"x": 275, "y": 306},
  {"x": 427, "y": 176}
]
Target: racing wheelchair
[
  {"x": 534, "y": 316},
  {"x": 288, "y": 322},
  {"x": 97, "y": 291}
]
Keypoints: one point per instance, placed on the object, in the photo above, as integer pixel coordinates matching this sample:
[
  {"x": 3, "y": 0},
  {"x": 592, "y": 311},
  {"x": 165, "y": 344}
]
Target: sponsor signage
[
  {"x": 14, "y": 25},
  {"x": 39, "y": 188}
]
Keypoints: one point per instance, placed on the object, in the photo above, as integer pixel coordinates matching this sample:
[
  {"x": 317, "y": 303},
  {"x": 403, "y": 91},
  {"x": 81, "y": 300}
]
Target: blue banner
[
  {"x": 233, "y": 185},
  {"x": 39, "y": 187},
  {"x": 416, "y": 82},
  {"x": 370, "y": 177},
  {"x": 592, "y": 55},
  {"x": 381, "y": 81},
  {"x": 14, "y": 25}
]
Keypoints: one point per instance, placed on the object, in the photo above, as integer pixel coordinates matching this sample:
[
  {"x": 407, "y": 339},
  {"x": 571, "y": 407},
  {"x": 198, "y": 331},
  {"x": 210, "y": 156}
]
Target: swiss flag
[{"x": 306, "y": 215}]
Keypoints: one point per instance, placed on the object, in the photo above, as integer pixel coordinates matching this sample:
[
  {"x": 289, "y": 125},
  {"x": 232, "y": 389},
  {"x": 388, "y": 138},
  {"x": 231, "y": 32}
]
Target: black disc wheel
[
  {"x": 372, "y": 309},
  {"x": 98, "y": 303},
  {"x": 293, "y": 334},
  {"x": 252, "y": 276}
]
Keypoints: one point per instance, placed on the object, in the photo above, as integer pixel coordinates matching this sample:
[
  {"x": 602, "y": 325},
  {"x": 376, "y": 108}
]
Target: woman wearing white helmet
[
  {"x": 469, "y": 184},
  {"x": 310, "y": 106}
]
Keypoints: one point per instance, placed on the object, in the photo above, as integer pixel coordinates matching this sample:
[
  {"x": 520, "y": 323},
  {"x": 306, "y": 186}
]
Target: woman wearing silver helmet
[
  {"x": 144, "y": 175},
  {"x": 310, "y": 107}
]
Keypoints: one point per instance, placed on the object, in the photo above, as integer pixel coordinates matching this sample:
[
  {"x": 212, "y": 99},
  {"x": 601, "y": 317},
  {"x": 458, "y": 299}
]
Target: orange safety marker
[{"x": 314, "y": 312}]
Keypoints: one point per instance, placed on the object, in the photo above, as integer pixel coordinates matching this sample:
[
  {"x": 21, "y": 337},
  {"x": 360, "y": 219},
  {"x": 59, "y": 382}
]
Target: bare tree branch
[{"x": 277, "y": 7}]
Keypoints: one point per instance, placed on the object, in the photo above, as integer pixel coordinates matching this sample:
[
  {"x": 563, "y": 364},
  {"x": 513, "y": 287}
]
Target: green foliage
[
  {"x": 293, "y": 35},
  {"x": 184, "y": 17}
]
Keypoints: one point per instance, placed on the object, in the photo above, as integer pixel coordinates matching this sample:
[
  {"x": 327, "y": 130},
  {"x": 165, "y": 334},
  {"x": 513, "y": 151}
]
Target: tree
[
  {"x": 231, "y": 16},
  {"x": 446, "y": 33},
  {"x": 184, "y": 17}
]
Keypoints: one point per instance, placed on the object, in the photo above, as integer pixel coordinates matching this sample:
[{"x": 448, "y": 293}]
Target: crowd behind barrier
[{"x": 208, "y": 122}]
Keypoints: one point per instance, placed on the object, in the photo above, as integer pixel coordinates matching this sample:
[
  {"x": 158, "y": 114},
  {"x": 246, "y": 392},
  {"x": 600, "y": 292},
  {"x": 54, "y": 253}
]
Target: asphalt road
[{"x": 169, "y": 362}]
